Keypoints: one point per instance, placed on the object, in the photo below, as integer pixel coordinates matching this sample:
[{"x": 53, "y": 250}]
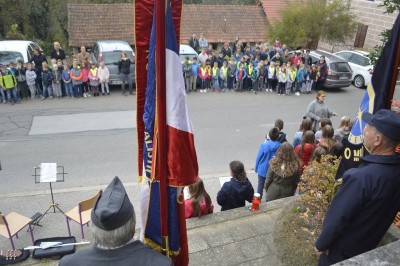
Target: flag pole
[
  {"x": 395, "y": 73},
  {"x": 161, "y": 120}
]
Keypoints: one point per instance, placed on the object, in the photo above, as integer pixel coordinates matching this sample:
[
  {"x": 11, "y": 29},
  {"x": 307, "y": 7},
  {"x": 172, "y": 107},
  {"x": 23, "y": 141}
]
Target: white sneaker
[
  {"x": 297, "y": 94},
  {"x": 266, "y": 90},
  {"x": 270, "y": 90}
]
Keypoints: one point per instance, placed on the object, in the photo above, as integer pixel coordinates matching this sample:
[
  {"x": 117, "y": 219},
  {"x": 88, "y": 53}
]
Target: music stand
[{"x": 49, "y": 173}]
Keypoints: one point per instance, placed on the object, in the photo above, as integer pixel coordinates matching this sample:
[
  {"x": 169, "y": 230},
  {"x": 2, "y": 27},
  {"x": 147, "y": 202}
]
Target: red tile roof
[
  {"x": 88, "y": 23},
  {"x": 272, "y": 8},
  {"x": 222, "y": 23}
]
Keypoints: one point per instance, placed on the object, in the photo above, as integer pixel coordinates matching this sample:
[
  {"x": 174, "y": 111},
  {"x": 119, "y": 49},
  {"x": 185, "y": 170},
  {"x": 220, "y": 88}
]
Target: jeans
[
  {"x": 187, "y": 84},
  {"x": 3, "y": 96},
  {"x": 47, "y": 90},
  {"x": 69, "y": 89},
  {"x": 281, "y": 87},
  {"x": 39, "y": 84},
  {"x": 255, "y": 85},
  {"x": 260, "y": 186},
  {"x": 57, "y": 89},
  {"x": 239, "y": 85},
  {"x": 104, "y": 85},
  {"x": 32, "y": 88},
  {"x": 202, "y": 84},
  {"x": 230, "y": 82},
  {"x": 288, "y": 87},
  {"x": 221, "y": 83},
  {"x": 12, "y": 94},
  {"x": 126, "y": 78},
  {"x": 78, "y": 90}
]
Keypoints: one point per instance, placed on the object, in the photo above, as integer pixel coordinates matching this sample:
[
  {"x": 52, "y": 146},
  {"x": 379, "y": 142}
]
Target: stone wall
[{"x": 368, "y": 13}]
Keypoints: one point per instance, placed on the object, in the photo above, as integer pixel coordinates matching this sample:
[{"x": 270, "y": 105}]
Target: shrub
[{"x": 319, "y": 186}]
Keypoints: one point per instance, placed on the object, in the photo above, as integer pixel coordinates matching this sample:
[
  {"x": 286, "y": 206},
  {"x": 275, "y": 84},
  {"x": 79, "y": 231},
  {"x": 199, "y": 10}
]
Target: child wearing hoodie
[
  {"x": 237, "y": 191},
  {"x": 266, "y": 152}
]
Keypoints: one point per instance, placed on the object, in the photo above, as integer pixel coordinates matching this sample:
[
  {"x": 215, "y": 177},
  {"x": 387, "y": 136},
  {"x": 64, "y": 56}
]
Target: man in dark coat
[
  {"x": 369, "y": 198},
  {"x": 113, "y": 227},
  {"x": 194, "y": 43}
]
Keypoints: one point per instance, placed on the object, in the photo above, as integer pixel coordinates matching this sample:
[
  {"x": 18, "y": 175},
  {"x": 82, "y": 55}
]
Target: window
[
  {"x": 344, "y": 55},
  {"x": 360, "y": 35},
  {"x": 359, "y": 60},
  {"x": 30, "y": 52},
  {"x": 340, "y": 67}
]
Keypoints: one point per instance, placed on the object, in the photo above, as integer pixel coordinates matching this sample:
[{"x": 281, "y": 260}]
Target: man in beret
[
  {"x": 369, "y": 198},
  {"x": 113, "y": 227}
]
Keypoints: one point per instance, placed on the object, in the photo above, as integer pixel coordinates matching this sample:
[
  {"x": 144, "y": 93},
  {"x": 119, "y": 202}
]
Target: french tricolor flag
[{"x": 180, "y": 155}]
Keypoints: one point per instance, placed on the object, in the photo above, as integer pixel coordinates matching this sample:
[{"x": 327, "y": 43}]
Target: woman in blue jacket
[
  {"x": 266, "y": 152},
  {"x": 234, "y": 193}
]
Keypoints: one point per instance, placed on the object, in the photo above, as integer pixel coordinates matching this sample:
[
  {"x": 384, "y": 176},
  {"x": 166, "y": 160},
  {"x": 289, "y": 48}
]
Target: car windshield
[
  {"x": 112, "y": 58},
  {"x": 340, "y": 67},
  {"x": 7, "y": 56}
]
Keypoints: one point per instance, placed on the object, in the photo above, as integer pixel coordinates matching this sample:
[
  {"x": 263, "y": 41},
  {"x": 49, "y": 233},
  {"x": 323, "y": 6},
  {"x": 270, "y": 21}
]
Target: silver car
[
  {"x": 339, "y": 70},
  {"x": 109, "y": 52}
]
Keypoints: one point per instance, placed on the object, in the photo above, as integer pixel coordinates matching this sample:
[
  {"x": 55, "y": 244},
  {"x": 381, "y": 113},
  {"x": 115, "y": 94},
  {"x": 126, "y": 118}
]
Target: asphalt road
[{"x": 228, "y": 126}]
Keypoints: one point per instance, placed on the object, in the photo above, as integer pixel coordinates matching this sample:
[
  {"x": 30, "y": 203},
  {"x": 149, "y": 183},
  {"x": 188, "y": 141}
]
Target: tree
[
  {"x": 14, "y": 33},
  {"x": 304, "y": 24},
  {"x": 391, "y": 7}
]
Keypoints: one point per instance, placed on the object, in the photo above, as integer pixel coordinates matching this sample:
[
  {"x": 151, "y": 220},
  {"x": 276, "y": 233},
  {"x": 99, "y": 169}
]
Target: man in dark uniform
[
  {"x": 113, "y": 227},
  {"x": 369, "y": 198}
]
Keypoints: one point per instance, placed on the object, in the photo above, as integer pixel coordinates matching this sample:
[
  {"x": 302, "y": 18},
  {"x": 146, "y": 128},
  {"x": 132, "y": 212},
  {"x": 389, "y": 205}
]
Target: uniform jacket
[
  {"x": 133, "y": 254},
  {"x": 234, "y": 194},
  {"x": 363, "y": 208}
]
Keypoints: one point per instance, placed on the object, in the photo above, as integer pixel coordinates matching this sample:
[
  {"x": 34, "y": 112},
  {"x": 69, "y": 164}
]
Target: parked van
[
  {"x": 11, "y": 51},
  {"x": 109, "y": 52}
]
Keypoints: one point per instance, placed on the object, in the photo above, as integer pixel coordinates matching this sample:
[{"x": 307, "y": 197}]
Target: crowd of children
[
  {"x": 57, "y": 80},
  {"x": 253, "y": 69}
]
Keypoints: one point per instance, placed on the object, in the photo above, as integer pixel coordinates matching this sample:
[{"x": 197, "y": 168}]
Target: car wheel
[{"x": 359, "y": 81}]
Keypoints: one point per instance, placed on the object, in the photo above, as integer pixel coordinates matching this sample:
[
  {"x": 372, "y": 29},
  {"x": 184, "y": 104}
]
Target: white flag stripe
[{"x": 177, "y": 110}]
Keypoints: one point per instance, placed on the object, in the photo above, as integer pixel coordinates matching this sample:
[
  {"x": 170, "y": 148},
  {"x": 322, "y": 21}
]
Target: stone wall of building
[{"x": 367, "y": 13}]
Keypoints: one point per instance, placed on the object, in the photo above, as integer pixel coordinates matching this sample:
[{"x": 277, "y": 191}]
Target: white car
[
  {"x": 361, "y": 66},
  {"x": 11, "y": 51},
  {"x": 186, "y": 50}
]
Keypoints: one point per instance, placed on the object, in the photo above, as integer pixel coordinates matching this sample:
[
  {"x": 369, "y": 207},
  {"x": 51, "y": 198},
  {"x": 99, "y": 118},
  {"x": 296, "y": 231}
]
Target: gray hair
[
  {"x": 114, "y": 238},
  {"x": 387, "y": 142}
]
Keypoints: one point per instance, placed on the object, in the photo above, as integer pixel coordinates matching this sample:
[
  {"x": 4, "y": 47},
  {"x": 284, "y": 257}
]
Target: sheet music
[
  {"x": 224, "y": 179},
  {"x": 48, "y": 172}
]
